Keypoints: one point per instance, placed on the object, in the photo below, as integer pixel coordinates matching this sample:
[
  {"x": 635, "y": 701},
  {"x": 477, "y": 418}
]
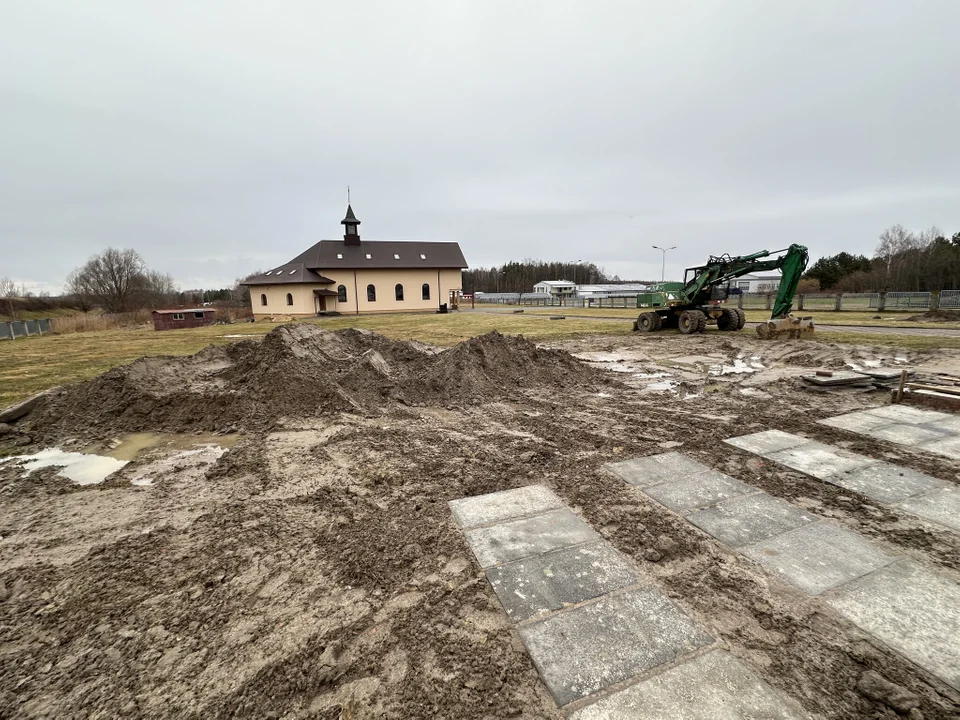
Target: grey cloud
[{"x": 217, "y": 137}]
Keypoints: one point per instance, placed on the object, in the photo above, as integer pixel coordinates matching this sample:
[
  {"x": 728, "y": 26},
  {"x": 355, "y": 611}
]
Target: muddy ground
[{"x": 313, "y": 570}]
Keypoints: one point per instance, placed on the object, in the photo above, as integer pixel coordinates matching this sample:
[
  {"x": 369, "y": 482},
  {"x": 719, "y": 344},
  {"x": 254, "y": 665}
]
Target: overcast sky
[{"x": 217, "y": 138}]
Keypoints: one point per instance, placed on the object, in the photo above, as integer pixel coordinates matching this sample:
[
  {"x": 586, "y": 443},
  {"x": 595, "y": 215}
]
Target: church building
[{"x": 360, "y": 276}]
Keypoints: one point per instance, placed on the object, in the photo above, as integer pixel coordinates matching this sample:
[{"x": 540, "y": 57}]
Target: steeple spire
[{"x": 351, "y": 234}]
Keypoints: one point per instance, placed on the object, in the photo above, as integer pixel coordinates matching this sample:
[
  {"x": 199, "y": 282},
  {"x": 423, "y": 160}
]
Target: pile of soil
[
  {"x": 937, "y": 316},
  {"x": 303, "y": 370}
]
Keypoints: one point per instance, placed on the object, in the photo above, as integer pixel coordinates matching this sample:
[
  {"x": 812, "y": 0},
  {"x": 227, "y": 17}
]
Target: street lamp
[{"x": 663, "y": 263}]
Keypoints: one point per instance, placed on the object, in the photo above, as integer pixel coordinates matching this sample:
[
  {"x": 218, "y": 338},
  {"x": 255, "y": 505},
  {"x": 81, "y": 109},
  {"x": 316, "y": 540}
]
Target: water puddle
[
  {"x": 661, "y": 386},
  {"x": 127, "y": 447},
  {"x": 81, "y": 468},
  {"x": 739, "y": 367}
]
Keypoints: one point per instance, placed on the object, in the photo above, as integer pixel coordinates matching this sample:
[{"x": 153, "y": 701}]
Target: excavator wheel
[
  {"x": 692, "y": 321},
  {"x": 741, "y": 318},
  {"x": 728, "y": 319},
  {"x": 648, "y": 322}
]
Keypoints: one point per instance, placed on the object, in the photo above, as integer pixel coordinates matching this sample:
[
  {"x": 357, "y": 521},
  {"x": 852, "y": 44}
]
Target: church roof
[
  {"x": 292, "y": 273},
  {"x": 328, "y": 255}
]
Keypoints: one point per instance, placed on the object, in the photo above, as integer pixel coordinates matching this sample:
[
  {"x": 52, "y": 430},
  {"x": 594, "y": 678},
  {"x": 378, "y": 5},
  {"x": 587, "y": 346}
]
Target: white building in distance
[
  {"x": 756, "y": 283},
  {"x": 556, "y": 288}
]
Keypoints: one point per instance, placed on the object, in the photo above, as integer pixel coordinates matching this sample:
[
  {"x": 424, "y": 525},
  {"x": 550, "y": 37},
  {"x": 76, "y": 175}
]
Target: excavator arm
[{"x": 720, "y": 270}]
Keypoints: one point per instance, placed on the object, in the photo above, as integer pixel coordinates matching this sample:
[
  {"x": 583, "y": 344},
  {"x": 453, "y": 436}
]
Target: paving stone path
[
  {"x": 935, "y": 432},
  {"x": 936, "y": 501},
  {"x": 607, "y": 642},
  {"x": 912, "y": 609}
]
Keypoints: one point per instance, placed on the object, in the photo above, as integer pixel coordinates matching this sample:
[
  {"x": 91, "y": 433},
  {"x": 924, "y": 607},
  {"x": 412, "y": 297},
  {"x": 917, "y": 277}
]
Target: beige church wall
[
  {"x": 384, "y": 281},
  {"x": 302, "y": 295}
]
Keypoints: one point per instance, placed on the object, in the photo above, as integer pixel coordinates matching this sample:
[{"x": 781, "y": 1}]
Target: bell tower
[{"x": 351, "y": 235}]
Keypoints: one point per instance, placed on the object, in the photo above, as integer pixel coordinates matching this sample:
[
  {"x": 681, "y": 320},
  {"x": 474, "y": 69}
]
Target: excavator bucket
[{"x": 785, "y": 327}]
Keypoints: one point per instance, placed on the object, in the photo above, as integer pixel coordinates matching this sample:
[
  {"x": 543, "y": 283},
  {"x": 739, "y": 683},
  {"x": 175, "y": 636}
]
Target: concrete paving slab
[
  {"x": 907, "y": 434},
  {"x": 548, "y": 582},
  {"x": 767, "y": 441},
  {"x": 885, "y": 483},
  {"x": 715, "y": 686},
  {"x": 950, "y": 424},
  {"x": 818, "y": 557},
  {"x": 948, "y": 448},
  {"x": 505, "y": 505},
  {"x": 516, "y": 539},
  {"x": 942, "y": 507},
  {"x": 818, "y": 460},
  {"x": 837, "y": 377},
  {"x": 911, "y": 609},
  {"x": 583, "y": 650},
  {"x": 686, "y": 494},
  {"x": 750, "y": 519},
  {"x": 858, "y": 422},
  {"x": 907, "y": 414},
  {"x": 656, "y": 468}
]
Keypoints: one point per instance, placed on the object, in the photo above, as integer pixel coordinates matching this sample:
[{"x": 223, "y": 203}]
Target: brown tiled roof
[
  {"x": 185, "y": 310},
  {"x": 293, "y": 272},
  {"x": 335, "y": 255}
]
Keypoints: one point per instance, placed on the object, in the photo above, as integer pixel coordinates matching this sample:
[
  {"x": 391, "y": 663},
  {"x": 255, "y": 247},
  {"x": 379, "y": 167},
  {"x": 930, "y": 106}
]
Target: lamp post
[{"x": 663, "y": 262}]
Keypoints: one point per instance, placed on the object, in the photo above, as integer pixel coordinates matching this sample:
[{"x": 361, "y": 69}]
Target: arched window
[
  {"x": 289, "y": 299},
  {"x": 341, "y": 293},
  {"x": 398, "y": 291},
  {"x": 425, "y": 291},
  {"x": 371, "y": 293},
  {"x": 263, "y": 299}
]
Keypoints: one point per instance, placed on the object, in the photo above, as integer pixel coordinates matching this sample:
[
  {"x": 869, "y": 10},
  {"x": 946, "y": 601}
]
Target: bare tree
[
  {"x": 119, "y": 281},
  {"x": 8, "y": 291},
  {"x": 81, "y": 290}
]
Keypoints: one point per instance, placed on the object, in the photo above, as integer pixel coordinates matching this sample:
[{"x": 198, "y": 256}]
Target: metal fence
[
  {"x": 845, "y": 302},
  {"x": 907, "y": 301},
  {"x": 23, "y": 328},
  {"x": 950, "y": 299}
]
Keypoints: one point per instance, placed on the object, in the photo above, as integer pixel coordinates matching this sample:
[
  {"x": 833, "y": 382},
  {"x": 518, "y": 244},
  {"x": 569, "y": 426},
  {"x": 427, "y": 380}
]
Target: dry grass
[{"x": 30, "y": 365}]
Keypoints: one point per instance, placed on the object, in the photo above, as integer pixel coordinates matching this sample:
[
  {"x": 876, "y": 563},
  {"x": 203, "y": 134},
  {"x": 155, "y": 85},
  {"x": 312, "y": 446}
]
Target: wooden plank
[{"x": 946, "y": 389}]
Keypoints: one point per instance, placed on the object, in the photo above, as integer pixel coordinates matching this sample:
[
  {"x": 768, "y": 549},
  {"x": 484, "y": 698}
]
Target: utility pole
[{"x": 663, "y": 260}]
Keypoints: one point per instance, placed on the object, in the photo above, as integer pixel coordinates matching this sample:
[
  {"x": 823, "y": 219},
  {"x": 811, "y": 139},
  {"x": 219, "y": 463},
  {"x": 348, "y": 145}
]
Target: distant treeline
[
  {"x": 903, "y": 261},
  {"x": 522, "y": 276}
]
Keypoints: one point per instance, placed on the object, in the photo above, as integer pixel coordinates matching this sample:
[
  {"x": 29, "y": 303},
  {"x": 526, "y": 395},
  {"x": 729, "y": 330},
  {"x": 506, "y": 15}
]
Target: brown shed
[{"x": 186, "y": 318}]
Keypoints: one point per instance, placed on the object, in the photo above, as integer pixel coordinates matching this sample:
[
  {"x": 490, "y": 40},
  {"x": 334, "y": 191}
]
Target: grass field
[{"x": 30, "y": 365}]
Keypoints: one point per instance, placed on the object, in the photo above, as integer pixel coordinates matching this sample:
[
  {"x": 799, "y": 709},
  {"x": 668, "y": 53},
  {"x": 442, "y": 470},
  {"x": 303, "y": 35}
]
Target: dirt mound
[
  {"x": 937, "y": 316},
  {"x": 488, "y": 366},
  {"x": 302, "y": 370}
]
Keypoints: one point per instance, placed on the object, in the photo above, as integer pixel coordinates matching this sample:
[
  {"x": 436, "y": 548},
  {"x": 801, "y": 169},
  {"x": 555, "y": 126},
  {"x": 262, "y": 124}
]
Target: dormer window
[
  {"x": 369, "y": 256},
  {"x": 339, "y": 256},
  {"x": 422, "y": 256},
  {"x": 269, "y": 272},
  {"x": 396, "y": 257}
]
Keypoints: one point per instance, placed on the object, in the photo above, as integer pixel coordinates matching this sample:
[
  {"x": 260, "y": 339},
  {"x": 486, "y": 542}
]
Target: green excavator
[{"x": 702, "y": 297}]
